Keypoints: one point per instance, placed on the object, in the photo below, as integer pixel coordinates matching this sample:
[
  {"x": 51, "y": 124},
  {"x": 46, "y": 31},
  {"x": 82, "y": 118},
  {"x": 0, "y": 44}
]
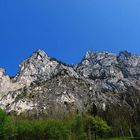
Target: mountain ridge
[{"x": 45, "y": 85}]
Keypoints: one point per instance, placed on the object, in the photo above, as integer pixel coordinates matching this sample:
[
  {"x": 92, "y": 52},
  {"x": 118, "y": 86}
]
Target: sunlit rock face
[
  {"x": 6, "y": 84},
  {"x": 40, "y": 67},
  {"x": 46, "y": 86},
  {"x": 96, "y": 65}
]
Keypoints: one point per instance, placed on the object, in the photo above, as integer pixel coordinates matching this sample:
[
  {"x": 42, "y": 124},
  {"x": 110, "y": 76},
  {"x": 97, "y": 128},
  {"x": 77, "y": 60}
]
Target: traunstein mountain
[{"x": 45, "y": 86}]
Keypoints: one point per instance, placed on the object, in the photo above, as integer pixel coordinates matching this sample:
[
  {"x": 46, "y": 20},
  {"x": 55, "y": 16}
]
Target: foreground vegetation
[
  {"x": 68, "y": 128},
  {"x": 79, "y": 127}
]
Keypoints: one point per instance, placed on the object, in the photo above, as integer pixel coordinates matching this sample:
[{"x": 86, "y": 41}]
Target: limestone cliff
[{"x": 46, "y": 86}]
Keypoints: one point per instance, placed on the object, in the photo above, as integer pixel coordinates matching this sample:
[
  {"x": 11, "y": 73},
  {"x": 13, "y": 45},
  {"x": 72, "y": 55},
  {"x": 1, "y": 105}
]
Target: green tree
[
  {"x": 95, "y": 126},
  {"x": 78, "y": 129},
  {"x": 56, "y": 130},
  {"x": 4, "y": 121}
]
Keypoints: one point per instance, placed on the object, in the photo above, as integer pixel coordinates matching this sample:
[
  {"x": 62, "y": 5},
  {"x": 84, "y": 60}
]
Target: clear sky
[{"x": 66, "y": 29}]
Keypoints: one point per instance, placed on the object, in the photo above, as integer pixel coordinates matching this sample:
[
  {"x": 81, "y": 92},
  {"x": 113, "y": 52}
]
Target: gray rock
[
  {"x": 97, "y": 65},
  {"x": 41, "y": 67},
  {"x": 46, "y": 86}
]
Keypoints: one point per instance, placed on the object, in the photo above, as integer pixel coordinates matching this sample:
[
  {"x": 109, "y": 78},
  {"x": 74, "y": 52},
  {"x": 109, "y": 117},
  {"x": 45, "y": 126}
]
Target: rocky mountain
[{"x": 46, "y": 86}]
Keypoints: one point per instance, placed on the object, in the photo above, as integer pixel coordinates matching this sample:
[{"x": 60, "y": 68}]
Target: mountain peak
[
  {"x": 125, "y": 54},
  {"x": 41, "y": 67},
  {"x": 40, "y": 52},
  {"x": 92, "y": 54},
  {"x": 89, "y": 54}
]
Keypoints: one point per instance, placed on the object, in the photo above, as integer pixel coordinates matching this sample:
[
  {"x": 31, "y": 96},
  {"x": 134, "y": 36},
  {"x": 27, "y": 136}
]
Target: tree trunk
[
  {"x": 122, "y": 133},
  {"x": 95, "y": 136},
  {"x": 89, "y": 134},
  {"x": 131, "y": 133}
]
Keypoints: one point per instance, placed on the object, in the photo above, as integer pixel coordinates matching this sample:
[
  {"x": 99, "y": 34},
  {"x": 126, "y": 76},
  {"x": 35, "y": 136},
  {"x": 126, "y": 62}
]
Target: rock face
[
  {"x": 40, "y": 67},
  {"x": 100, "y": 66},
  {"x": 6, "y": 84},
  {"x": 45, "y": 86},
  {"x": 129, "y": 64}
]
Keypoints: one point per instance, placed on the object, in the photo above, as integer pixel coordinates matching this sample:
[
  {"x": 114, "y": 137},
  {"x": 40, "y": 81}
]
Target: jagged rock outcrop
[
  {"x": 97, "y": 65},
  {"x": 6, "y": 84},
  {"x": 41, "y": 67},
  {"x": 129, "y": 64},
  {"x": 46, "y": 86}
]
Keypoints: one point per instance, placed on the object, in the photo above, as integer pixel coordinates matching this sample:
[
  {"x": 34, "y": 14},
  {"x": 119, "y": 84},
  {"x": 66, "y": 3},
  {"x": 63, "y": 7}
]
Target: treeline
[
  {"x": 114, "y": 122},
  {"x": 79, "y": 127},
  {"x": 124, "y": 121}
]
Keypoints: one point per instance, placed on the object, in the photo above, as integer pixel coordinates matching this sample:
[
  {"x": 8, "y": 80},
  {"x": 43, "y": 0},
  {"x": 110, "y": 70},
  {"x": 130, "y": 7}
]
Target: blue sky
[{"x": 66, "y": 29}]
